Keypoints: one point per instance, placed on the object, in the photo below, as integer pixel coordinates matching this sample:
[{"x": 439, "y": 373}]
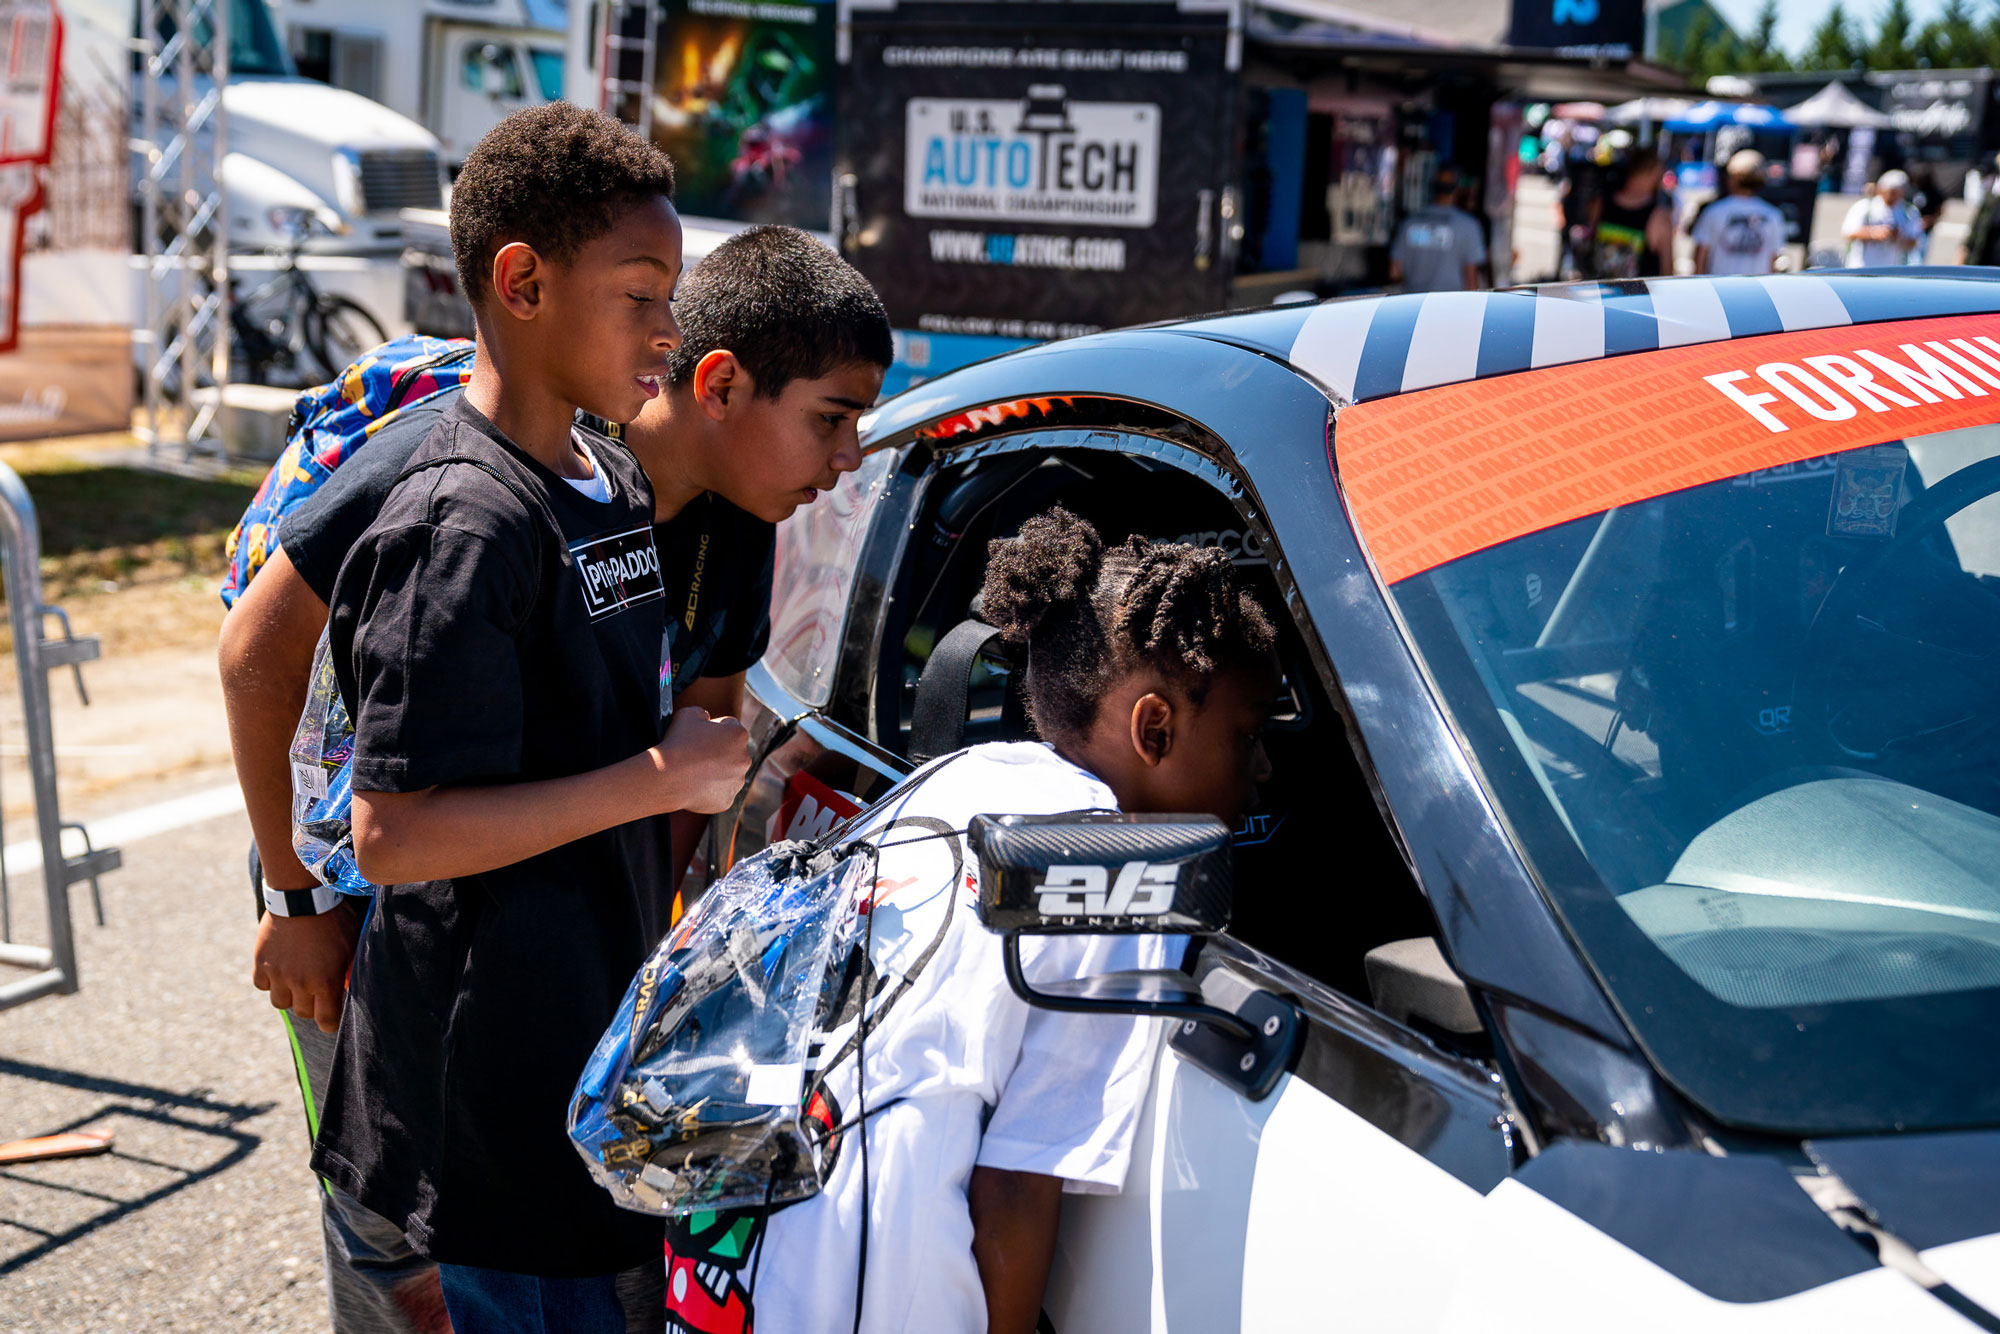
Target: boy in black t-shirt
[
  {"x": 496, "y": 635},
  {"x": 770, "y": 309}
]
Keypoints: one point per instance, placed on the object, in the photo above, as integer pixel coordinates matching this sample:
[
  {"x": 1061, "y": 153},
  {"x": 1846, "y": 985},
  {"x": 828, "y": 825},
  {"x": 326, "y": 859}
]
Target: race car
[{"x": 1632, "y": 863}]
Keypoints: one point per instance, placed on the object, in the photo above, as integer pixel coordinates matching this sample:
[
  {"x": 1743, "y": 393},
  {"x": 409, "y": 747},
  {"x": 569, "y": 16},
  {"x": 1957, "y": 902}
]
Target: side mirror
[{"x": 1104, "y": 873}]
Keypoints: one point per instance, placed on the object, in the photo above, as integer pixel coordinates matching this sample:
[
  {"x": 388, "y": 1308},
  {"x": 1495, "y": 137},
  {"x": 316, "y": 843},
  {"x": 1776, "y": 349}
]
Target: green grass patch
[{"x": 106, "y": 527}]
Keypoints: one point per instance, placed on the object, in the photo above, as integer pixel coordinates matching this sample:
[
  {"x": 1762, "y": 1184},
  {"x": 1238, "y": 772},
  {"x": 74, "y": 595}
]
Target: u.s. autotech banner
[{"x": 1035, "y": 177}]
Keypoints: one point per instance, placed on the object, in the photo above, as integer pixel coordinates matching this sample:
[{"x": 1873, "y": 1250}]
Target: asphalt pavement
[{"x": 203, "y": 1215}]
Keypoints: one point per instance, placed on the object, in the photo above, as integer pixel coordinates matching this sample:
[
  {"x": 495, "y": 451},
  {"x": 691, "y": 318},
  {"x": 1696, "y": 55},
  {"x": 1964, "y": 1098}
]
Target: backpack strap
[{"x": 407, "y": 379}]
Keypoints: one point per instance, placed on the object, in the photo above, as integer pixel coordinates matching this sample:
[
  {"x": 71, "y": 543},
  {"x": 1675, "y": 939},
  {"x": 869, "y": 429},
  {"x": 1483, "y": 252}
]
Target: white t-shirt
[
  {"x": 1743, "y": 234},
  {"x": 596, "y": 486},
  {"x": 1874, "y": 212},
  {"x": 975, "y": 1075}
]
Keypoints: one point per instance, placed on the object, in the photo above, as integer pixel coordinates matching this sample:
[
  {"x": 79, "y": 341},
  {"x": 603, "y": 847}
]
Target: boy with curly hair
[{"x": 496, "y": 634}]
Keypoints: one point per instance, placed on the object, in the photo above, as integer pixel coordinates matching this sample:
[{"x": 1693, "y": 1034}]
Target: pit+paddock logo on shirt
[
  {"x": 618, "y": 570},
  {"x": 1041, "y": 158}
]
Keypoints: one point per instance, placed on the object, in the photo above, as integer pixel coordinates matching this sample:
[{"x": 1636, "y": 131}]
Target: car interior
[
  {"x": 1319, "y": 880},
  {"x": 1722, "y": 691}
]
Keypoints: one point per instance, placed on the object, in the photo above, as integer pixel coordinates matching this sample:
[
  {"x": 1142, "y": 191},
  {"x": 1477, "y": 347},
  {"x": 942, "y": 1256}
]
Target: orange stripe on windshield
[{"x": 1441, "y": 473}]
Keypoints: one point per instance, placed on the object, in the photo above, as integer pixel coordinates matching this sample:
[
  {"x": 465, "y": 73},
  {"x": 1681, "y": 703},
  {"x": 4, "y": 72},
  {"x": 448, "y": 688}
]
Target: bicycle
[
  {"x": 285, "y": 331},
  {"x": 289, "y": 333}
]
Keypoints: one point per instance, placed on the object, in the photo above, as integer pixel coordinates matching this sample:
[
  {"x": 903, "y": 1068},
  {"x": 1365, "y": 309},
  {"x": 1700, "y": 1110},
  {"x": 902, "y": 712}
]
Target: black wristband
[{"x": 300, "y": 902}]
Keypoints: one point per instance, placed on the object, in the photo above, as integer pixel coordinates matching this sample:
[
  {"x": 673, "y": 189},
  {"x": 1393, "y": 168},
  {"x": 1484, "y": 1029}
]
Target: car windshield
[{"x": 1748, "y": 733}]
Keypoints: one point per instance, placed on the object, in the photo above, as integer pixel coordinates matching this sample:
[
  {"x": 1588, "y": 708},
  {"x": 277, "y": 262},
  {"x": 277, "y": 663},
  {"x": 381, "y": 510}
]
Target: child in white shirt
[{"x": 1149, "y": 677}]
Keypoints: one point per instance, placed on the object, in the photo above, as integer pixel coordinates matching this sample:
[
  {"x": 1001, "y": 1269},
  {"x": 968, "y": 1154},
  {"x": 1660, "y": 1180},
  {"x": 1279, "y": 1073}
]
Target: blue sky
[{"x": 1797, "y": 18}]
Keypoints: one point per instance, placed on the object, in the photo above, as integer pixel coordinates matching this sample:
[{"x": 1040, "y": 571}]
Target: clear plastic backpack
[
  {"x": 323, "y": 782},
  {"x": 700, "y": 1096}
]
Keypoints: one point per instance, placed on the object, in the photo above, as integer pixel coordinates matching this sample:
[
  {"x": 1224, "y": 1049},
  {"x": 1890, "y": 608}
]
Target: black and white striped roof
[{"x": 1360, "y": 348}]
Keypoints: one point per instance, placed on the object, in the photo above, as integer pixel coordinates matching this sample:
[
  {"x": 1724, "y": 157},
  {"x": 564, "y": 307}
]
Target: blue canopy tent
[{"x": 1703, "y": 117}]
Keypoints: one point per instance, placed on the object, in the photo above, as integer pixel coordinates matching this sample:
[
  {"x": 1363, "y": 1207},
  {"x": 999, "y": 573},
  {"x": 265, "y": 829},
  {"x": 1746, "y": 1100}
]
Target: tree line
[{"x": 1959, "y": 37}]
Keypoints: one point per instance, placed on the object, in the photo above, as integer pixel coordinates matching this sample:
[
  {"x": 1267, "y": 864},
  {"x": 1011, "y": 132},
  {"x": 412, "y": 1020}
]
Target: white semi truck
[
  {"x": 300, "y": 147},
  {"x": 456, "y": 66}
]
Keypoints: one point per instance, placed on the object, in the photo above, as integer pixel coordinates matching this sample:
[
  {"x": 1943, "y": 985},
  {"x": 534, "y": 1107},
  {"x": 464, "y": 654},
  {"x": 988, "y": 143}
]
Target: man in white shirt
[
  {"x": 1883, "y": 229},
  {"x": 1739, "y": 233}
]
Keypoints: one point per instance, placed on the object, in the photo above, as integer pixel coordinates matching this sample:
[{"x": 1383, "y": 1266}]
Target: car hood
[
  {"x": 308, "y": 112},
  {"x": 1690, "y": 1240},
  {"x": 1939, "y": 1193}
]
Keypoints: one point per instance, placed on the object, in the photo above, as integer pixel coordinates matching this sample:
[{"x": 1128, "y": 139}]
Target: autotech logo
[
  {"x": 1141, "y": 890},
  {"x": 1042, "y": 158},
  {"x": 618, "y": 571}
]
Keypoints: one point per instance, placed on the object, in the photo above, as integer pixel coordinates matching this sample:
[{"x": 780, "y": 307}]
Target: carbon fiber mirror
[{"x": 1103, "y": 873}]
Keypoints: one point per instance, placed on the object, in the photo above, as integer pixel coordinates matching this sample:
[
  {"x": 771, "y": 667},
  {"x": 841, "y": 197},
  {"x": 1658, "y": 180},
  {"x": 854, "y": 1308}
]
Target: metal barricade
[{"x": 36, "y": 657}]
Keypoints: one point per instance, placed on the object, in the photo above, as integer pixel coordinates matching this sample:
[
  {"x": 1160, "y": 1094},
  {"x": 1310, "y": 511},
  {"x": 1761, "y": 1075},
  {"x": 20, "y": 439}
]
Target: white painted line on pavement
[{"x": 117, "y": 831}]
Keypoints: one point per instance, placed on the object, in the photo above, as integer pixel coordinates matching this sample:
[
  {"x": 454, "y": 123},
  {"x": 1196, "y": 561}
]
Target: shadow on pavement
[{"x": 203, "y": 1134}]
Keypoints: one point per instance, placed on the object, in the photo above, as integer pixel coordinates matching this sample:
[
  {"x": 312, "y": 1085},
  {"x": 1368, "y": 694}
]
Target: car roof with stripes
[{"x": 1365, "y": 347}]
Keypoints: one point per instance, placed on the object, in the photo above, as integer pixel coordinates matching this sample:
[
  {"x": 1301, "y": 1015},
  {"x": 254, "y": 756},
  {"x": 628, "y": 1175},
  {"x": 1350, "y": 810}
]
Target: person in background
[
  {"x": 1982, "y": 242},
  {"x": 1440, "y": 247},
  {"x": 1882, "y": 228},
  {"x": 1740, "y": 233},
  {"x": 1576, "y": 201},
  {"x": 1632, "y": 228},
  {"x": 1928, "y": 202}
]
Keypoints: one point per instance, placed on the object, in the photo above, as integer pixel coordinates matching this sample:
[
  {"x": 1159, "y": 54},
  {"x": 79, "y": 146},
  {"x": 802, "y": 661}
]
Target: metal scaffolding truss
[{"x": 182, "y": 339}]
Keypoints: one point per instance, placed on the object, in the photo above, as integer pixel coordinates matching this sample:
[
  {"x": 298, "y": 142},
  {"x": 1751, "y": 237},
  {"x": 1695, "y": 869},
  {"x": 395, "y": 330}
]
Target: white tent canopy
[
  {"x": 1641, "y": 109},
  {"x": 1834, "y": 105}
]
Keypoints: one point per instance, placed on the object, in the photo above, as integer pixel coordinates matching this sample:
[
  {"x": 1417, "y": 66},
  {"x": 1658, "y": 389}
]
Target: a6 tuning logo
[{"x": 1141, "y": 890}]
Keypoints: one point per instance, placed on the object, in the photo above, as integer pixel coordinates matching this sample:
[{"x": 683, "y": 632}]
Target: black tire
[{"x": 337, "y": 332}]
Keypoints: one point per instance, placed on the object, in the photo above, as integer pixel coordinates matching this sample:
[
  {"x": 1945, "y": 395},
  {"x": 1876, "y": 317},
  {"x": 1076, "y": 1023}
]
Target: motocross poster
[
  {"x": 744, "y": 104},
  {"x": 1037, "y": 171}
]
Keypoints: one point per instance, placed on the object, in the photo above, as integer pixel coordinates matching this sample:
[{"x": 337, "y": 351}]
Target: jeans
[{"x": 493, "y": 1301}]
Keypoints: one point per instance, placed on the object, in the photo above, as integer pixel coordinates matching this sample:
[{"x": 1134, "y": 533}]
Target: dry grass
[{"x": 133, "y": 553}]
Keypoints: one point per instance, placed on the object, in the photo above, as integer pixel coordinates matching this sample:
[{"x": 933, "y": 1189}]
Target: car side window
[
  {"x": 1320, "y": 880},
  {"x": 818, "y": 556}
]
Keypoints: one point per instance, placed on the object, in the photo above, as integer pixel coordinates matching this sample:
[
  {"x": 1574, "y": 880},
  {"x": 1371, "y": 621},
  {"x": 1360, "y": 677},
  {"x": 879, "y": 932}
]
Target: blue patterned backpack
[{"x": 328, "y": 424}]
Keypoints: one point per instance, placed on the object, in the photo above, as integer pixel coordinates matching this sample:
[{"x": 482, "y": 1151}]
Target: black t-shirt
[
  {"x": 319, "y": 533},
  {"x": 493, "y": 625},
  {"x": 716, "y": 558},
  {"x": 719, "y": 561}
]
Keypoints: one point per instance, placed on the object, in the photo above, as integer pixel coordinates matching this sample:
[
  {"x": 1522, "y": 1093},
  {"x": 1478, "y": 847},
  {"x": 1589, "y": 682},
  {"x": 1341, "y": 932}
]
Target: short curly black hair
[
  {"x": 555, "y": 177},
  {"x": 1087, "y": 615},
  {"x": 788, "y": 307}
]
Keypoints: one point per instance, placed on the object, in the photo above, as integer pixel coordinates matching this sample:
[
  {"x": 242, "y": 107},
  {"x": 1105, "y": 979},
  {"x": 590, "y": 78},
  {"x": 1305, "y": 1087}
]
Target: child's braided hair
[{"x": 1088, "y": 615}]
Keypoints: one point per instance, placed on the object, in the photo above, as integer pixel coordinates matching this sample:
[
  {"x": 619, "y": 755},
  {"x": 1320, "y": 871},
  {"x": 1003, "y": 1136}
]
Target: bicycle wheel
[{"x": 337, "y": 333}]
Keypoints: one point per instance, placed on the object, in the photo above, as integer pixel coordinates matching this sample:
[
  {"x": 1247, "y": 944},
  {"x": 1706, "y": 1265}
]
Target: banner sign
[
  {"x": 1945, "y": 115},
  {"x": 1442, "y": 473},
  {"x": 30, "y": 77},
  {"x": 1615, "y": 28},
  {"x": 65, "y": 218},
  {"x": 1004, "y": 171},
  {"x": 1096, "y": 162}
]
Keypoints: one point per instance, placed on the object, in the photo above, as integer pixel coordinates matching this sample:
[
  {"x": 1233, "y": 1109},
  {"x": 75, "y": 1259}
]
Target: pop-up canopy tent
[
  {"x": 1644, "y": 110},
  {"x": 1706, "y": 116},
  {"x": 1834, "y": 105}
]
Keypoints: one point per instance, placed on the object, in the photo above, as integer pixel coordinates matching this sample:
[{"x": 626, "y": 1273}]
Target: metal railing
[{"x": 35, "y": 656}]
